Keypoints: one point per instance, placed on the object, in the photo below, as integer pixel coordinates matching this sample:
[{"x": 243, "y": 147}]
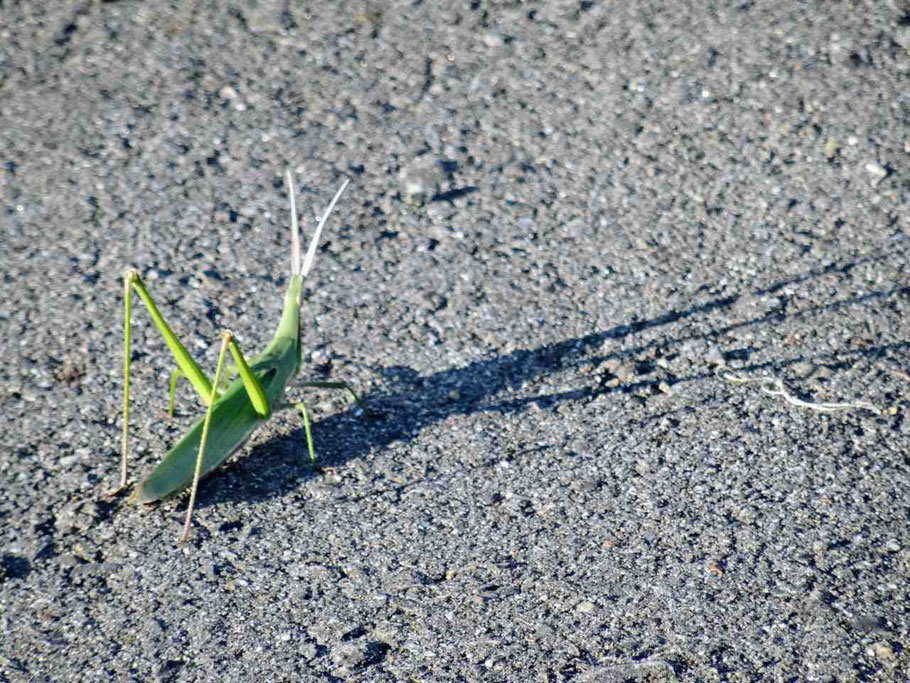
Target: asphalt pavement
[{"x": 571, "y": 228}]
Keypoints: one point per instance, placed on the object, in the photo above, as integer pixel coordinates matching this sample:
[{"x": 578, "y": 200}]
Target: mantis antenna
[
  {"x": 311, "y": 252},
  {"x": 295, "y": 230}
]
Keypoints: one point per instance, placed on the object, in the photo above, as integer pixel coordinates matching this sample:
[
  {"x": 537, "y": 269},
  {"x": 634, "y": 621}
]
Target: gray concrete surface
[{"x": 622, "y": 201}]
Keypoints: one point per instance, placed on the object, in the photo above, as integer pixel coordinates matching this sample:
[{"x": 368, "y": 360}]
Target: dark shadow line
[
  {"x": 453, "y": 194},
  {"x": 591, "y": 394},
  {"x": 773, "y": 316}
]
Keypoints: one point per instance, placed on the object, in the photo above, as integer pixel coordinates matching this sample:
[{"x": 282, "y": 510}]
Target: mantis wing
[{"x": 234, "y": 420}]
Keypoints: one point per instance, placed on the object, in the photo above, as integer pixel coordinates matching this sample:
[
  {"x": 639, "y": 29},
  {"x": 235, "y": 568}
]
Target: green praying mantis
[{"x": 232, "y": 413}]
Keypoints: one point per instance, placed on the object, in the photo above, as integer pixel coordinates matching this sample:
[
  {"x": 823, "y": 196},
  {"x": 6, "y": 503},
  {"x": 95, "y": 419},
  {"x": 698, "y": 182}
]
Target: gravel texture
[{"x": 568, "y": 222}]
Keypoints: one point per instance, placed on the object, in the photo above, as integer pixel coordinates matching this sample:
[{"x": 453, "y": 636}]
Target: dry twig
[{"x": 775, "y": 387}]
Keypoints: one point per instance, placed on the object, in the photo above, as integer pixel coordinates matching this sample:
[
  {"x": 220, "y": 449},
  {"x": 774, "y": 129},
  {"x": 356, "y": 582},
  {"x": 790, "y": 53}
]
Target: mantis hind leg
[
  {"x": 200, "y": 457},
  {"x": 187, "y": 366},
  {"x": 256, "y": 395},
  {"x": 175, "y": 374},
  {"x": 127, "y": 358},
  {"x": 301, "y": 406}
]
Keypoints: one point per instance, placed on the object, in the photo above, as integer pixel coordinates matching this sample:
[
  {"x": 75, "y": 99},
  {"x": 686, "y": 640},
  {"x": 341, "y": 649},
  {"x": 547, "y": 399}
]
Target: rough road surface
[{"x": 569, "y": 222}]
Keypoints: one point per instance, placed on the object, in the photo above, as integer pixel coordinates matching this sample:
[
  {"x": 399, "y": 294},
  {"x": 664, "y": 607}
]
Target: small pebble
[
  {"x": 877, "y": 172},
  {"x": 716, "y": 358},
  {"x": 624, "y": 372},
  {"x": 881, "y": 650},
  {"x": 902, "y": 36}
]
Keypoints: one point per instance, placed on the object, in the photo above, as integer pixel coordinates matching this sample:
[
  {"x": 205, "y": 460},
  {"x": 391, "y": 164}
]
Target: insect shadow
[{"x": 409, "y": 401}]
